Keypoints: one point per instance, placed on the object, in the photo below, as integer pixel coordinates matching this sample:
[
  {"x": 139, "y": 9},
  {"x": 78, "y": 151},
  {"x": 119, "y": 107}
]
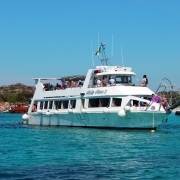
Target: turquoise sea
[{"x": 36, "y": 152}]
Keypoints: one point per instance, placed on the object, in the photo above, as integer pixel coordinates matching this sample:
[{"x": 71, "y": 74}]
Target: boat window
[
  {"x": 133, "y": 102},
  {"x": 65, "y": 104},
  {"x": 50, "y": 104},
  {"x": 72, "y": 104},
  {"x": 82, "y": 103},
  {"x": 118, "y": 79},
  {"x": 123, "y": 79},
  {"x": 45, "y": 104},
  {"x": 116, "y": 102},
  {"x": 57, "y": 104},
  {"x": 41, "y": 104},
  {"x": 99, "y": 102}
]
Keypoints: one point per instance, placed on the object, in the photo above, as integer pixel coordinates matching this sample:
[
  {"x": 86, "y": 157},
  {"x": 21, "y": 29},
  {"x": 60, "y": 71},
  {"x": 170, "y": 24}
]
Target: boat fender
[
  {"x": 25, "y": 117},
  {"x": 84, "y": 110},
  {"x": 127, "y": 108},
  {"x": 70, "y": 110},
  {"x": 122, "y": 113},
  {"x": 56, "y": 112},
  {"x": 40, "y": 111},
  {"x": 47, "y": 113},
  {"x": 106, "y": 110},
  {"x": 43, "y": 111}
]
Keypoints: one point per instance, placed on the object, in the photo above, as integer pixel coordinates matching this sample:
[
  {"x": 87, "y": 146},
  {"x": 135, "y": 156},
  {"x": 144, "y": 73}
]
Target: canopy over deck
[{"x": 67, "y": 78}]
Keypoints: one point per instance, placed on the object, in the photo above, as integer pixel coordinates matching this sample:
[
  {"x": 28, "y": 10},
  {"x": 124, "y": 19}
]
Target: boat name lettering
[
  {"x": 101, "y": 91},
  {"x": 91, "y": 92}
]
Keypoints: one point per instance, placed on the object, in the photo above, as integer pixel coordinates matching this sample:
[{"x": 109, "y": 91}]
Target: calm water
[{"x": 33, "y": 152}]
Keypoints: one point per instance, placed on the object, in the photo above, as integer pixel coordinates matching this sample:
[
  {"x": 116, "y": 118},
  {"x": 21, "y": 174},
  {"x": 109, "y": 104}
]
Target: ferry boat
[{"x": 89, "y": 104}]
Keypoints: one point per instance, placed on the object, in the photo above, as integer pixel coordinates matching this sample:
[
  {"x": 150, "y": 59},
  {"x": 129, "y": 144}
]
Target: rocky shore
[
  {"x": 14, "y": 93},
  {"x": 4, "y": 106}
]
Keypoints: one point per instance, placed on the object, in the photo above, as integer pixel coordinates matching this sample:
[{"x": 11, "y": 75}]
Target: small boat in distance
[
  {"x": 5, "y": 111},
  {"x": 18, "y": 108},
  {"x": 177, "y": 113}
]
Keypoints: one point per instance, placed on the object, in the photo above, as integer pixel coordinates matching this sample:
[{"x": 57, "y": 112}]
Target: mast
[{"x": 104, "y": 60}]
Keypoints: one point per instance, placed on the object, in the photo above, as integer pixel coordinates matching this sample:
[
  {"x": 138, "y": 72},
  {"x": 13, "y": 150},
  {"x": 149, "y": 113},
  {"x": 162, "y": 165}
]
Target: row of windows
[{"x": 92, "y": 103}]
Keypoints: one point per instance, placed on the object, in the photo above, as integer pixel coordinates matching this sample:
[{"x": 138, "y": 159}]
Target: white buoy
[
  {"x": 84, "y": 110},
  {"x": 56, "y": 112},
  {"x": 25, "y": 117},
  {"x": 106, "y": 110},
  {"x": 122, "y": 113},
  {"x": 70, "y": 110},
  {"x": 127, "y": 108},
  {"x": 43, "y": 111},
  {"x": 40, "y": 111},
  {"x": 47, "y": 113}
]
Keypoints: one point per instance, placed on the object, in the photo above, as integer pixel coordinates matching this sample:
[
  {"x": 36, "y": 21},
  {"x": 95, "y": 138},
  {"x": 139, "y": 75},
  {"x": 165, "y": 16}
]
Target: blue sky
[{"x": 43, "y": 38}]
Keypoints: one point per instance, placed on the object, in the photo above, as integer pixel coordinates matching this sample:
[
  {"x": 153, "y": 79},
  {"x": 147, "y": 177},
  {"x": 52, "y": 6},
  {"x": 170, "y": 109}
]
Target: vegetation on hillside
[
  {"x": 16, "y": 98},
  {"x": 17, "y": 93}
]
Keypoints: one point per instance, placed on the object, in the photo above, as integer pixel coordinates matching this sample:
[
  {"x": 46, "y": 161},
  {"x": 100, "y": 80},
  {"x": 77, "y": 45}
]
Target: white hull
[{"x": 101, "y": 120}]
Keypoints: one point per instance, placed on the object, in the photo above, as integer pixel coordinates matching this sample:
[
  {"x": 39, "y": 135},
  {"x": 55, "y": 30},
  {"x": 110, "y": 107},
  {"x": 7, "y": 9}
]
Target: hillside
[{"x": 17, "y": 88}]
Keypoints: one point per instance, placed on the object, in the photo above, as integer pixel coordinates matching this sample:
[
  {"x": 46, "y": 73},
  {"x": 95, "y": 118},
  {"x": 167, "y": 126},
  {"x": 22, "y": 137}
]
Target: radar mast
[{"x": 104, "y": 60}]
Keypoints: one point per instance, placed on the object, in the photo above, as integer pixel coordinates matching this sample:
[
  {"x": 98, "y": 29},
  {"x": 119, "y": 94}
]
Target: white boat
[
  {"x": 177, "y": 112},
  {"x": 123, "y": 105},
  {"x": 5, "y": 111}
]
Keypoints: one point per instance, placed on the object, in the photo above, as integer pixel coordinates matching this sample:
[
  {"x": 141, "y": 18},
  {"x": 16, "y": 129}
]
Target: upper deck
[{"x": 70, "y": 86}]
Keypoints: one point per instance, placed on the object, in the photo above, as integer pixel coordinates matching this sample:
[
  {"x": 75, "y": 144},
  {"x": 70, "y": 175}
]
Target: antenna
[
  {"x": 98, "y": 40},
  {"x": 92, "y": 55},
  {"x": 122, "y": 57},
  {"x": 112, "y": 46},
  {"x": 104, "y": 60}
]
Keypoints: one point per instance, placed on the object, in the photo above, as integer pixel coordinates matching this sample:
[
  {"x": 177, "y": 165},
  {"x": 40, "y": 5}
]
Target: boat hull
[{"x": 138, "y": 120}]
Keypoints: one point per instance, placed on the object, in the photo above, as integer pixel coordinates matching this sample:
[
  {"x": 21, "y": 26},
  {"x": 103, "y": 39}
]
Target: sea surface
[{"x": 36, "y": 152}]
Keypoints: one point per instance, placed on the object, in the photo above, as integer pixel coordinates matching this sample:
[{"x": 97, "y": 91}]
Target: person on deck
[
  {"x": 143, "y": 84},
  {"x": 104, "y": 83},
  {"x": 71, "y": 82},
  {"x": 99, "y": 82},
  {"x": 34, "y": 108},
  {"x": 164, "y": 102},
  {"x": 112, "y": 82},
  {"x": 155, "y": 98}
]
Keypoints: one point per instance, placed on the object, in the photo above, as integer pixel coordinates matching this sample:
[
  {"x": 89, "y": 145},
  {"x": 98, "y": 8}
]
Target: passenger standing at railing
[
  {"x": 71, "y": 82},
  {"x": 104, "y": 83},
  {"x": 76, "y": 84},
  {"x": 143, "y": 84},
  {"x": 99, "y": 82},
  {"x": 63, "y": 85},
  {"x": 112, "y": 82},
  {"x": 155, "y": 98},
  {"x": 80, "y": 83},
  {"x": 164, "y": 102}
]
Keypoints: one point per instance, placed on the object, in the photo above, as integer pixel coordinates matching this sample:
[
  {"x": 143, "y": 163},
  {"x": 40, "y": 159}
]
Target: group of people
[
  {"x": 102, "y": 82},
  {"x": 155, "y": 98},
  {"x": 65, "y": 85},
  {"x": 71, "y": 84}
]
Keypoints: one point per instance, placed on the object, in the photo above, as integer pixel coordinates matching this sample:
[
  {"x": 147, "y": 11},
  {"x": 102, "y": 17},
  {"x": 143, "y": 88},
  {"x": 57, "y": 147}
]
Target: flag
[{"x": 98, "y": 51}]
